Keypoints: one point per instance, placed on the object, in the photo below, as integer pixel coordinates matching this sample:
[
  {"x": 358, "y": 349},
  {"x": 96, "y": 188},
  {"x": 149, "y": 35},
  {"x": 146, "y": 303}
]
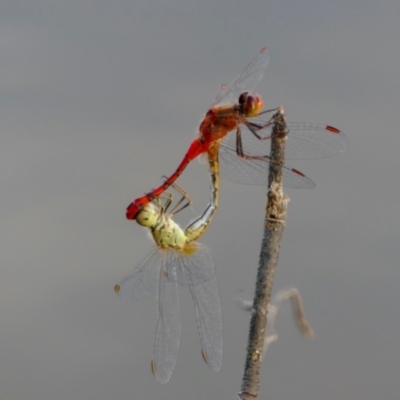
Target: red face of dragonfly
[{"x": 250, "y": 104}]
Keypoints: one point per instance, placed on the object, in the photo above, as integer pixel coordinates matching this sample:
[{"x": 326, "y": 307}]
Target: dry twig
[{"x": 273, "y": 231}]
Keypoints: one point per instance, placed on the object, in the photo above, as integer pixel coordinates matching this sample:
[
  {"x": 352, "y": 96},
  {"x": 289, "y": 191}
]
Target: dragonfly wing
[
  {"x": 303, "y": 141},
  {"x": 207, "y": 305},
  {"x": 168, "y": 333},
  {"x": 255, "y": 171},
  {"x": 314, "y": 141},
  {"x": 202, "y": 267},
  {"x": 143, "y": 280},
  {"x": 246, "y": 81}
]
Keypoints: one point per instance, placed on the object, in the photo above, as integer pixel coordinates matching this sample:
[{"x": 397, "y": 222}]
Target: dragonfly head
[
  {"x": 136, "y": 206},
  {"x": 250, "y": 104},
  {"x": 147, "y": 216}
]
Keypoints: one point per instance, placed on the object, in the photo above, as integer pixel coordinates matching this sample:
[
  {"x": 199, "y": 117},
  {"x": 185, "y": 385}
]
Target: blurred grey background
[{"x": 99, "y": 99}]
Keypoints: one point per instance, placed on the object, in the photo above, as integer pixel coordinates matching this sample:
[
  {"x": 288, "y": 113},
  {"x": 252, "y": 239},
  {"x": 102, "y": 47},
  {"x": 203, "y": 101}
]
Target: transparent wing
[
  {"x": 246, "y": 81},
  {"x": 314, "y": 141},
  {"x": 202, "y": 267},
  {"x": 203, "y": 287},
  {"x": 143, "y": 280},
  {"x": 255, "y": 171},
  {"x": 303, "y": 141},
  {"x": 168, "y": 333}
]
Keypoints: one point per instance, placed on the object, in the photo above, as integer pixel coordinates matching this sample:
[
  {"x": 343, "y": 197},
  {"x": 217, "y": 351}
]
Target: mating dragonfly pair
[{"x": 178, "y": 258}]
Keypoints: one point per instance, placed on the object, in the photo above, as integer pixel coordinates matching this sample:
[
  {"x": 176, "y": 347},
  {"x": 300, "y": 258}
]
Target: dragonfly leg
[
  {"x": 166, "y": 198},
  {"x": 239, "y": 144},
  {"x": 254, "y": 128},
  {"x": 185, "y": 197},
  {"x": 239, "y": 149},
  {"x": 268, "y": 111}
]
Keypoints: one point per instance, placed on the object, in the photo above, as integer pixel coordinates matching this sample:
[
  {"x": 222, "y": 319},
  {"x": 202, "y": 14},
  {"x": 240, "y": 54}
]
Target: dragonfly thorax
[
  {"x": 167, "y": 233},
  {"x": 218, "y": 122}
]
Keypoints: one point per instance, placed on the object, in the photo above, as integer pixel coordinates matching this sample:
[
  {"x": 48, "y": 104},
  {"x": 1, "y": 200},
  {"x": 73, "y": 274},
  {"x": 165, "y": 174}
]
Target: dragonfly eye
[
  {"x": 147, "y": 216},
  {"x": 251, "y": 104},
  {"x": 243, "y": 98}
]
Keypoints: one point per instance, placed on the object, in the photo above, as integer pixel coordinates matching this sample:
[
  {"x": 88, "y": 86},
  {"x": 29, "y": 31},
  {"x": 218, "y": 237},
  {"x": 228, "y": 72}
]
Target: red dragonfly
[{"x": 245, "y": 157}]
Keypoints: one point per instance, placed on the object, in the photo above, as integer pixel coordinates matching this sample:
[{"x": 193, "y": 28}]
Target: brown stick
[{"x": 273, "y": 231}]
